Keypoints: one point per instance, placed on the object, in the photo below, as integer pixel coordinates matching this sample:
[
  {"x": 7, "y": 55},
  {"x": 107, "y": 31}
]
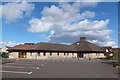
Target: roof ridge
[{"x": 54, "y": 43}]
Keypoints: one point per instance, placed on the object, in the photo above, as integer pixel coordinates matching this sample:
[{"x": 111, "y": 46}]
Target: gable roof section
[
  {"x": 21, "y": 47},
  {"x": 85, "y": 46}
]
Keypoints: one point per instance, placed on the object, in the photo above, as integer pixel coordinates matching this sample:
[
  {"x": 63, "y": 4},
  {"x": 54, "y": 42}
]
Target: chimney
[{"x": 82, "y": 38}]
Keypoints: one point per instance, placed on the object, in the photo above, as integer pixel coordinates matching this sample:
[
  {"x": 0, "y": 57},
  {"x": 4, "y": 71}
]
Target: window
[
  {"x": 39, "y": 54},
  {"x": 50, "y": 54},
  {"x": 58, "y": 54},
  {"x": 44, "y": 54}
]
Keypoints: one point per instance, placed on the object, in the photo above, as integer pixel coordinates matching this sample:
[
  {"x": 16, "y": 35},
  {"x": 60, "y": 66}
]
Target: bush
[{"x": 5, "y": 55}]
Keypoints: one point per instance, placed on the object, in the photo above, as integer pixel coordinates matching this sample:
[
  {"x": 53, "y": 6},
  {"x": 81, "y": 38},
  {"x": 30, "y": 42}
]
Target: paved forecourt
[
  {"x": 20, "y": 68},
  {"x": 59, "y": 68}
]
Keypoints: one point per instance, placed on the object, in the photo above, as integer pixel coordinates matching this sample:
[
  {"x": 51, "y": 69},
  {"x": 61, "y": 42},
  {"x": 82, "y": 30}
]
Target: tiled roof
[
  {"x": 81, "y": 46},
  {"x": 52, "y": 47},
  {"x": 21, "y": 47},
  {"x": 85, "y": 46}
]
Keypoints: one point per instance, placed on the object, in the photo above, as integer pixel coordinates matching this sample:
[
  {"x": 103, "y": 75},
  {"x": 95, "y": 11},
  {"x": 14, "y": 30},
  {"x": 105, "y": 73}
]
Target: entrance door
[
  {"x": 22, "y": 55},
  {"x": 80, "y": 55}
]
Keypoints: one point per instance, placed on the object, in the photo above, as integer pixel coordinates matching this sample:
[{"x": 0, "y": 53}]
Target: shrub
[{"x": 5, "y": 55}]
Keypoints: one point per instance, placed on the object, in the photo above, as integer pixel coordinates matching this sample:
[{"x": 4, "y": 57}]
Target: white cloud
[
  {"x": 58, "y": 15},
  {"x": 9, "y": 44},
  {"x": 15, "y": 11},
  {"x": 105, "y": 42},
  {"x": 52, "y": 32},
  {"x": 39, "y": 26},
  {"x": 65, "y": 13},
  {"x": 3, "y": 45},
  {"x": 88, "y": 14},
  {"x": 66, "y": 23},
  {"x": 87, "y": 25}
]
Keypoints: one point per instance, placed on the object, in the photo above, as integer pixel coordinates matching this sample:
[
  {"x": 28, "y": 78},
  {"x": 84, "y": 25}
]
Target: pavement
[{"x": 58, "y": 68}]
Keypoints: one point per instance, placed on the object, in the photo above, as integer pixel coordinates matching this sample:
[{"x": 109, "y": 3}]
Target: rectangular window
[
  {"x": 58, "y": 54},
  {"x": 44, "y": 54},
  {"x": 39, "y": 54},
  {"x": 50, "y": 54}
]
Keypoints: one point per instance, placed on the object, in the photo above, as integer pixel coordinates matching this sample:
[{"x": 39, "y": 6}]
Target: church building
[{"x": 42, "y": 50}]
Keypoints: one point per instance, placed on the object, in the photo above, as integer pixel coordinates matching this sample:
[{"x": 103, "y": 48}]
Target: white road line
[
  {"x": 21, "y": 67},
  {"x": 33, "y": 67},
  {"x": 17, "y": 72},
  {"x": 14, "y": 66},
  {"x": 30, "y": 73},
  {"x": 37, "y": 67},
  {"x": 28, "y": 62},
  {"x": 18, "y": 64}
]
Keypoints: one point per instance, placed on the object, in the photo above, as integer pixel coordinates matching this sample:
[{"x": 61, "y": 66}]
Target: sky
[{"x": 59, "y": 22}]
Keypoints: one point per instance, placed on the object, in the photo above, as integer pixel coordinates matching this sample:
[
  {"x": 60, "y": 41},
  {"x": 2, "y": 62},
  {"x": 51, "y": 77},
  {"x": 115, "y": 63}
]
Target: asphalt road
[{"x": 58, "y": 68}]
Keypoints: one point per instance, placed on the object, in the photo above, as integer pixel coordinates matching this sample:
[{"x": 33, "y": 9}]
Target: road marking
[
  {"x": 37, "y": 67},
  {"x": 18, "y": 64},
  {"x": 28, "y": 62},
  {"x": 21, "y": 67},
  {"x": 17, "y": 72},
  {"x": 30, "y": 73},
  {"x": 14, "y": 66}
]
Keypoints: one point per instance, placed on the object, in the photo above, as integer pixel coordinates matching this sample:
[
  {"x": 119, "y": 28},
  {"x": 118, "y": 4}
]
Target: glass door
[{"x": 22, "y": 55}]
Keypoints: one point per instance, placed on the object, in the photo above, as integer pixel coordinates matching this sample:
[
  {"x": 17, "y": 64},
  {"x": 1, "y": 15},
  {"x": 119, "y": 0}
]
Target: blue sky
[{"x": 60, "y": 22}]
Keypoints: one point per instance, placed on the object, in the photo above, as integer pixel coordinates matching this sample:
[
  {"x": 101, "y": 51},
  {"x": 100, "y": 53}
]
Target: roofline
[{"x": 56, "y": 51}]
